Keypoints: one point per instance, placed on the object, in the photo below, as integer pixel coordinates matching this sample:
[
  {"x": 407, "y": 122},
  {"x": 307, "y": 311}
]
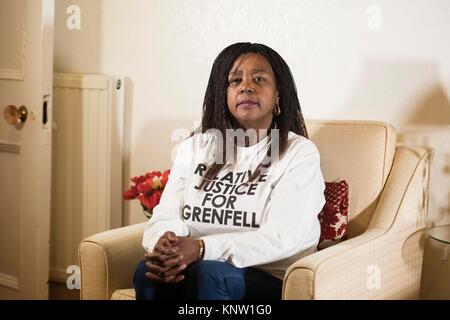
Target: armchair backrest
[{"x": 360, "y": 152}]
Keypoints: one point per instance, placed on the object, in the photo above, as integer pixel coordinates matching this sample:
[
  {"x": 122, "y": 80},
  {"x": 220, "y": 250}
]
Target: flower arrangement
[{"x": 148, "y": 188}]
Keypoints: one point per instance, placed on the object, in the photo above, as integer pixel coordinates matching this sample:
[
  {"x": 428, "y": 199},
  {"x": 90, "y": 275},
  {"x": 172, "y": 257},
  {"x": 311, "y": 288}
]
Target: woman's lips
[{"x": 248, "y": 105}]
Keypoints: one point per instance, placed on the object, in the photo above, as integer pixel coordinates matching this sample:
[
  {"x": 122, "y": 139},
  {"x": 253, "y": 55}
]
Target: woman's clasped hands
[{"x": 170, "y": 257}]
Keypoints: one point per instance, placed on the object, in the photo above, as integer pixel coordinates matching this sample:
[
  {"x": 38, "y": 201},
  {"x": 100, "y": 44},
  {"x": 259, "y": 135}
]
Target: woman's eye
[{"x": 237, "y": 80}]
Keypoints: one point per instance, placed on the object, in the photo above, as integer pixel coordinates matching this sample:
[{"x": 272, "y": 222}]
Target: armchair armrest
[
  {"x": 385, "y": 262},
  {"x": 108, "y": 259}
]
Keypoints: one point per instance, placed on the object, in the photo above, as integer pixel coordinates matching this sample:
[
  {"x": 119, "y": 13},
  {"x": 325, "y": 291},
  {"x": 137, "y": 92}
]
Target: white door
[{"x": 26, "y": 58}]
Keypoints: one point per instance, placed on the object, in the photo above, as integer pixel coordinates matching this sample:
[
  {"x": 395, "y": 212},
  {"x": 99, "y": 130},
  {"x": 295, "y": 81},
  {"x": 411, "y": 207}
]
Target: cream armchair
[{"x": 382, "y": 259}]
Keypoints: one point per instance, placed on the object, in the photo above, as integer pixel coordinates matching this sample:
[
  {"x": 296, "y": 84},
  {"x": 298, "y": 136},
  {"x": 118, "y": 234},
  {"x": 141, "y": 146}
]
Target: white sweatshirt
[{"x": 269, "y": 223}]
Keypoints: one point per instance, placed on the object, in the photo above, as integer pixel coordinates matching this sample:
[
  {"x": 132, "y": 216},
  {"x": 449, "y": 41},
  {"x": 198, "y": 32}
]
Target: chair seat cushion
[{"x": 124, "y": 294}]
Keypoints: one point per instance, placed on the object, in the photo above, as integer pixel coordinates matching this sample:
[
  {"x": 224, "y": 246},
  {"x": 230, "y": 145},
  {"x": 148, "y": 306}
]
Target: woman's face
[{"x": 252, "y": 91}]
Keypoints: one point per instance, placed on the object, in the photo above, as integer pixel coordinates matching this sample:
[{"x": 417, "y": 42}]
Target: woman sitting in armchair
[{"x": 244, "y": 193}]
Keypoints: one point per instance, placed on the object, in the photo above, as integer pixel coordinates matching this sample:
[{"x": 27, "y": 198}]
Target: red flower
[
  {"x": 165, "y": 177},
  {"x": 130, "y": 193},
  {"x": 144, "y": 187},
  {"x": 137, "y": 180},
  {"x": 148, "y": 189},
  {"x": 150, "y": 201}
]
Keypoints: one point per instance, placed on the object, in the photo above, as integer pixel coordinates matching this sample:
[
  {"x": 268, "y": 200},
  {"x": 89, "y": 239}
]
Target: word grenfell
[{"x": 223, "y": 216}]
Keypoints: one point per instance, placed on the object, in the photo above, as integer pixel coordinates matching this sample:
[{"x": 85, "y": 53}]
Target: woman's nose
[{"x": 246, "y": 87}]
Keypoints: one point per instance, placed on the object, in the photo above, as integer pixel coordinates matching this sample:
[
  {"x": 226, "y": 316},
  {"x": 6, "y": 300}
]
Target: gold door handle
[{"x": 15, "y": 116}]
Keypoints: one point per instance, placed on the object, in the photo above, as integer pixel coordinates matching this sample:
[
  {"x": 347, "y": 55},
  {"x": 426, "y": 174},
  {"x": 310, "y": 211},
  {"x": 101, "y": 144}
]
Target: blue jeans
[{"x": 210, "y": 280}]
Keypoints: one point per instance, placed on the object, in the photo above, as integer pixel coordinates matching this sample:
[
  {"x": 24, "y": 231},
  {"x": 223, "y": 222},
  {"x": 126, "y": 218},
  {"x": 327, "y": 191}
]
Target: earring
[{"x": 276, "y": 110}]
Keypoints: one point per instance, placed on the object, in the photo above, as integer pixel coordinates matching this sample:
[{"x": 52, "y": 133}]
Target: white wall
[{"x": 399, "y": 73}]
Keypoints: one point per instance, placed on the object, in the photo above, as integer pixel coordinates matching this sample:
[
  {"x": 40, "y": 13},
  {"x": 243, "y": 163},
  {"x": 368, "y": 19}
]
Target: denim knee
[
  {"x": 205, "y": 270},
  {"x": 207, "y": 266},
  {"x": 139, "y": 273},
  {"x": 213, "y": 280}
]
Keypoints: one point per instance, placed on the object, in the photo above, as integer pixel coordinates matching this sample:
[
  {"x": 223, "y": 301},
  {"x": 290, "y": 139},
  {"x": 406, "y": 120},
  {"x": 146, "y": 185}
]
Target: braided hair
[{"x": 215, "y": 114}]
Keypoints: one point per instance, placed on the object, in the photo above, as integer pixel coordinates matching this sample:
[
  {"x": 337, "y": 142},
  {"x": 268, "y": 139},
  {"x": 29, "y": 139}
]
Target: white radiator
[{"x": 88, "y": 113}]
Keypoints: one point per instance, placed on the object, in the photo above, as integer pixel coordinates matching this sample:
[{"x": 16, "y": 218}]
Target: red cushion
[{"x": 334, "y": 215}]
